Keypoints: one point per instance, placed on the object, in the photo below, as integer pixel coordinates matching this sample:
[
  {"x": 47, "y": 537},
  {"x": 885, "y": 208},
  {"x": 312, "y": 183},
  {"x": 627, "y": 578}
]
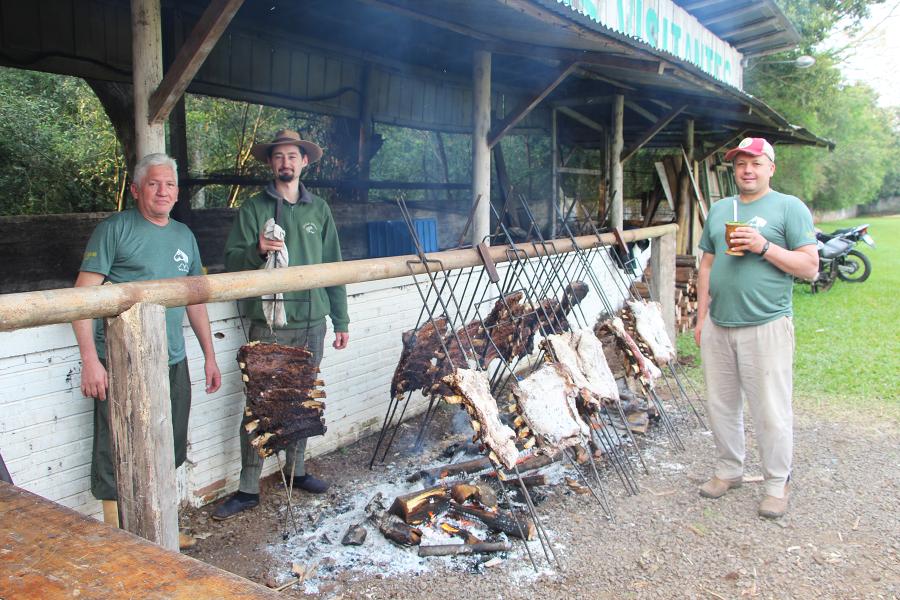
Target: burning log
[
  {"x": 467, "y": 536},
  {"x": 457, "y": 549},
  {"x": 481, "y": 493},
  {"x": 418, "y": 506},
  {"x": 474, "y": 393},
  {"x": 466, "y": 467},
  {"x": 498, "y": 521},
  {"x": 394, "y": 529},
  {"x": 282, "y": 399}
]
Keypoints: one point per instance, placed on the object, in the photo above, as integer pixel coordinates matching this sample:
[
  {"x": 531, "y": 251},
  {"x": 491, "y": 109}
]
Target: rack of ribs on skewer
[
  {"x": 641, "y": 365},
  {"x": 283, "y": 402},
  {"x": 414, "y": 369},
  {"x": 592, "y": 360},
  {"x": 472, "y": 390},
  {"x": 644, "y": 322},
  {"x": 553, "y": 313},
  {"x": 559, "y": 348},
  {"x": 545, "y": 401}
]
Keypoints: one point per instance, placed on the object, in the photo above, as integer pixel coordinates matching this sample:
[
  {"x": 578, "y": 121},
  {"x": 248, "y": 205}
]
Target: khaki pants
[
  {"x": 753, "y": 364},
  {"x": 251, "y": 463}
]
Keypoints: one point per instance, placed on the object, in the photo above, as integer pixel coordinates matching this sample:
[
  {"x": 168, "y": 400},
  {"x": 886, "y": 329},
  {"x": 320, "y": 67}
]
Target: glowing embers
[{"x": 283, "y": 402}]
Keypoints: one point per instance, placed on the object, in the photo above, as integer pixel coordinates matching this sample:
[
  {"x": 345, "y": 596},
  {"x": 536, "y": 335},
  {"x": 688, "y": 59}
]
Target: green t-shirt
[
  {"x": 749, "y": 290},
  {"x": 127, "y": 247}
]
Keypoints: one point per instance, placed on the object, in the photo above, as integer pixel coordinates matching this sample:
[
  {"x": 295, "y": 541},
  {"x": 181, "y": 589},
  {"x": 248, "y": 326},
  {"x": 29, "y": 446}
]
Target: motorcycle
[{"x": 838, "y": 259}]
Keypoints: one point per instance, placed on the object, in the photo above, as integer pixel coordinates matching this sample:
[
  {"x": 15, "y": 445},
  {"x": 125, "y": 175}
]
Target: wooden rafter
[
  {"x": 577, "y": 116},
  {"x": 505, "y": 126},
  {"x": 722, "y": 145},
  {"x": 648, "y": 135},
  {"x": 196, "y": 48}
]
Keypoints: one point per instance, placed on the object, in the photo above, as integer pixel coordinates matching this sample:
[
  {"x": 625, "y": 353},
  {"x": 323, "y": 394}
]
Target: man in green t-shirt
[
  {"x": 285, "y": 225},
  {"x": 140, "y": 244},
  {"x": 744, "y": 325}
]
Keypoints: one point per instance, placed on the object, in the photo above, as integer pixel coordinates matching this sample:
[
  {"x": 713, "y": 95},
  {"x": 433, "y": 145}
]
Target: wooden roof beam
[
  {"x": 577, "y": 116},
  {"x": 650, "y": 133},
  {"x": 641, "y": 111},
  {"x": 722, "y": 145},
  {"x": 193, "y": 53},
  {"x": 506, "y": 125}
]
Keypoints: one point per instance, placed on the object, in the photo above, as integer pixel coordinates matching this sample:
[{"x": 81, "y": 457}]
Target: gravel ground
[{"x": 840, "y": 539}]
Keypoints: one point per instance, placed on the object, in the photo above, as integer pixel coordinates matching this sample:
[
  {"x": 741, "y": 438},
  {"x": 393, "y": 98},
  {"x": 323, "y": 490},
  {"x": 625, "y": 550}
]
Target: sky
[{"x": 873, "y": 54}]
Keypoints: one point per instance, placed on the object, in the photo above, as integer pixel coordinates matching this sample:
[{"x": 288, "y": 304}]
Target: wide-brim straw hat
[{"x": 261, "y": 150}]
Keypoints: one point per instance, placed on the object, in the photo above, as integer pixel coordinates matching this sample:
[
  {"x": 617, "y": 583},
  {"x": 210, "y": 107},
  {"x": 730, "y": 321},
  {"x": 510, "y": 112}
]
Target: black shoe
[
  {"x": 237, "y": 503},
  {"x": 310, "y": 484}
]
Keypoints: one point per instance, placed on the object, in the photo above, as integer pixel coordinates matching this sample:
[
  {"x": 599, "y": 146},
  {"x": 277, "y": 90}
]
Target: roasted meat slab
[
  {"x": 282, "y": 397},
  {"x": 546, "y": 400},
  {"x": 472, "y": 389},
  {"x": 647, "y": 322}
]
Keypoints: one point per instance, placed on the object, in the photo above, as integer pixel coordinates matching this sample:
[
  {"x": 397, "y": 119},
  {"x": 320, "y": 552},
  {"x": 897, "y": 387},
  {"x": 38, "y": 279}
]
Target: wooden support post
[
  {"x": 684, "y": 201},
  {"x": 662, "y": 283},
  {"x": 196, "y": 48},
  {"x": 140, "y": 418},
  {"x": 147, "y": 72},
  {"x": 364, "y": 159},
  {"x": 178, "y": 121},
  {"x": 481, "y": 152},
  {"x": 617, "y": 194},
  {"x": 554, "y": 178}
]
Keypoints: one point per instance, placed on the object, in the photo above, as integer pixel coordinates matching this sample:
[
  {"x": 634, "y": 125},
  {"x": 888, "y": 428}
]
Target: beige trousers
[{"x": 753, "y": 364}]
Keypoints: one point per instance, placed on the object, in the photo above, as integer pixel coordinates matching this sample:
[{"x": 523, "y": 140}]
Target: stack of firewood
[{"x": 685, "y": 290}]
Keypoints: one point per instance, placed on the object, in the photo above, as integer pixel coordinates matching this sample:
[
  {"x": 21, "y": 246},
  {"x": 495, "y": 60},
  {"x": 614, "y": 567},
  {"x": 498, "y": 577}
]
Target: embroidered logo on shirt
[
  {"x": 310, "y": 228},
  {"x": 182, "y": 259},
  {"x": 757, "y": 223}
]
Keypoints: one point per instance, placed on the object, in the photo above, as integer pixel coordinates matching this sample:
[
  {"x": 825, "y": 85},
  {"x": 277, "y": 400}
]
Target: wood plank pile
[{"x": 685, "y": 291}]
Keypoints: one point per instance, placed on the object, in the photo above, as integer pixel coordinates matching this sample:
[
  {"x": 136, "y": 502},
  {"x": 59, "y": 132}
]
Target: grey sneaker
[
  {"x": 716, "y": 488},
  {"x": 774, "y": 508}
]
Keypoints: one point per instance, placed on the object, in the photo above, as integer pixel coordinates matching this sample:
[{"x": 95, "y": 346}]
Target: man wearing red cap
[
  {"x": 285, "y": 225},
  {"x": 744, "y": 325}
]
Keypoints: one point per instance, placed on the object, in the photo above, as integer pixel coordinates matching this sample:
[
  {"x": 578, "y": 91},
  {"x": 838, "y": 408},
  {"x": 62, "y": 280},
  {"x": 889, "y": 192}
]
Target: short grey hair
[{"x": 157, "y": 159}]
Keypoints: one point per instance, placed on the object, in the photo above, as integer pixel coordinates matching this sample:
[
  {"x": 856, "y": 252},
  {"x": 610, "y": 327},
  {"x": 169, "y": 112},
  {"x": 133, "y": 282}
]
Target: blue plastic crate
[{"x": 391, "y": 238}]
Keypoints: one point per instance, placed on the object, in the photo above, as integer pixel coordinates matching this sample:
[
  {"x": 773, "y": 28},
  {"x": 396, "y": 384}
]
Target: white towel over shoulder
[{"x": 273, "y": 304}]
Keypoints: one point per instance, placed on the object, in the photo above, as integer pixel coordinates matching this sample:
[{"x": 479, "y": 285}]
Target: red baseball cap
[{"x": 754, "y": 147}]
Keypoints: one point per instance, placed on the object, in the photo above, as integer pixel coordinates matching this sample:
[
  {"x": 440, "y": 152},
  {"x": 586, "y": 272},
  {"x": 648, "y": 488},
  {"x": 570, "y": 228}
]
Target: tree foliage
[
  {"x": 58, "y": 152},
  {"x": 820, "y": 100}
]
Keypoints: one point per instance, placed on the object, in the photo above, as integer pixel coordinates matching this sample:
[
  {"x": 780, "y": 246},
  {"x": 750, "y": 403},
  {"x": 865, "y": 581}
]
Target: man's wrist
[{"x": 765, "y": 248}]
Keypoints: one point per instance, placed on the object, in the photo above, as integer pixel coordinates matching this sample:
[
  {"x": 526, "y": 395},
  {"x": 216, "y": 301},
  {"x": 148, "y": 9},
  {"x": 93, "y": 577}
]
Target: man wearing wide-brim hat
[{"x": 285, "y": 225}]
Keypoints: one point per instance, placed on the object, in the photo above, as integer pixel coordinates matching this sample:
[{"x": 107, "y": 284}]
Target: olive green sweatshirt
[{"x": 311, "y": 238}]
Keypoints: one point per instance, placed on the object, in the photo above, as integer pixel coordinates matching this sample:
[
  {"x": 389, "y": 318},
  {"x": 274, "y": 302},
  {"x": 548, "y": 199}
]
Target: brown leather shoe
[
  {"x": 716, "y": 488},
  {"x": 774, "y": 508}
]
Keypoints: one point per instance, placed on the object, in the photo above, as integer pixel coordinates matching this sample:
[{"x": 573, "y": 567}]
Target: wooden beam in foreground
[
  {"x": 190, "y": 58},
  {"x": 30, "y": 309},
  {"x": 54, "y": 552},
  {"x": 528, "y": 105}
]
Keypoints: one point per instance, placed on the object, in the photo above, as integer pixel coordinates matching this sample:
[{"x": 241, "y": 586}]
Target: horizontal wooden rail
[{"x": 30, "y": 309}]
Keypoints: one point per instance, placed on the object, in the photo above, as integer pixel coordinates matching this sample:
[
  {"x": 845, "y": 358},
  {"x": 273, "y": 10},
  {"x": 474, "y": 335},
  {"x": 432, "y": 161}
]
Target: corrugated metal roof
[{"x": 753, "y": 27}]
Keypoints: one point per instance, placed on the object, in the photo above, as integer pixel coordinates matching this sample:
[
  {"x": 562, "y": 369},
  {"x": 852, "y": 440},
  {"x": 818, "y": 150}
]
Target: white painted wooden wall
[{"x": 46, "y": 424}]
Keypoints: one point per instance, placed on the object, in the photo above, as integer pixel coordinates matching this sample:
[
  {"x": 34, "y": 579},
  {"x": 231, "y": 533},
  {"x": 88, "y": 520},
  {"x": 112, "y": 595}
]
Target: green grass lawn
[{"x": 848, "y": 338}]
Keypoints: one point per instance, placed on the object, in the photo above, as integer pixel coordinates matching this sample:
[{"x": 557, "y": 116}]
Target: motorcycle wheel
[{"x": 855, "y": 267}]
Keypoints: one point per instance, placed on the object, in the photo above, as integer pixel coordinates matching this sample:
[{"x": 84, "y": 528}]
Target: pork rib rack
[
  {"x": 472, "y": 390},
  {"x": 644, "y": 322},
  {"x": 283, "y": 404},
  {"x": 633, "y": 357}
]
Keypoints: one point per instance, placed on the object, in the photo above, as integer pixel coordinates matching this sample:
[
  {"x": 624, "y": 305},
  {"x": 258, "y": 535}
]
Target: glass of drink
[{"x": 729, "y": 229}]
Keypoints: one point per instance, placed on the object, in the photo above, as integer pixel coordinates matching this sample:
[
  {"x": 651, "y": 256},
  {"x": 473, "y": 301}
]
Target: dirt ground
[{"x": 840, "y": 539}]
